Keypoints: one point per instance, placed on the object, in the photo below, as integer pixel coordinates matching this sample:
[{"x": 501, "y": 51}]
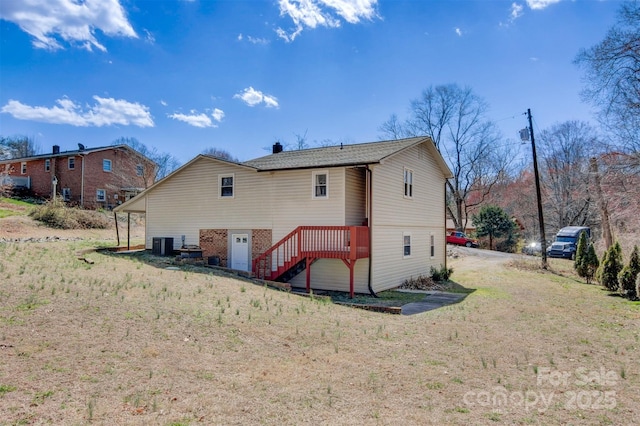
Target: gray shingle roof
[{"x": 333, "y": 156}]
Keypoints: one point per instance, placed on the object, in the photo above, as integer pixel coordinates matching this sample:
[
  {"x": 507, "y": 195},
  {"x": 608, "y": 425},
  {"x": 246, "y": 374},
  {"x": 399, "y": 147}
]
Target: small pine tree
[
  {"x": 610, "y": 267},
  {"x": 627, "y": 277},
  {"x": 581, "y": 255},
  {"x": 590, "y": 264}
]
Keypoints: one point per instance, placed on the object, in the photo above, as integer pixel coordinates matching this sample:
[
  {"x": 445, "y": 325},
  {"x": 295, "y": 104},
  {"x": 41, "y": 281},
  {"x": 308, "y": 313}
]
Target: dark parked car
[{"x": 461, "y": 239}]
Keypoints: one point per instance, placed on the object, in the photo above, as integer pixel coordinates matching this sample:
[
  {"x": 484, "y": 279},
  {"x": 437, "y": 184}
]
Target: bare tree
[
  {"x": 221, "y": 154},
  {"x": 165, "y": 162},
  {"x": 455, "y": 119},
  {"x": 18, "y": 147},
  {"x": 613, "y": 77},
  {"x": 565, "y": 150}
]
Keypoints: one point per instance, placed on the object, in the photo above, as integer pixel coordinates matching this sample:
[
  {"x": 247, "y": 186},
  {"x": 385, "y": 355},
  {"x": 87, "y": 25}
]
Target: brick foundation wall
[
  {"x": 260, "y": 241},
  {"x": 213, "y": 242}
]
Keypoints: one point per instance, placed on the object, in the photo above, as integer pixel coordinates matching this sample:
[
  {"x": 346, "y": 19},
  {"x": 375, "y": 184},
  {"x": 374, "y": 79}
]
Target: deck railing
[{"x": 312, "y": 242}]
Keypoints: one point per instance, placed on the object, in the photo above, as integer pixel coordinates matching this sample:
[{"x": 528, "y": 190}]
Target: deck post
[{"x": 308, "y": 270}]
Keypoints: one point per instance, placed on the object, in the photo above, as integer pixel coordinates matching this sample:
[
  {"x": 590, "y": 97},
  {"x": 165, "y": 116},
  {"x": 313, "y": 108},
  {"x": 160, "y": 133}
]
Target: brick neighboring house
[{"x": 101, "y": 177}]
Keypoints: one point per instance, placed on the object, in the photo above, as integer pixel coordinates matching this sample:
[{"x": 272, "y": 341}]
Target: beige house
[{"x": 360, "y": 218}]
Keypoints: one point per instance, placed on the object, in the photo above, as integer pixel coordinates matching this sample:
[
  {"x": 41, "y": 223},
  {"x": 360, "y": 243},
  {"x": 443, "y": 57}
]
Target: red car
[{"x": 461, "y": 239}]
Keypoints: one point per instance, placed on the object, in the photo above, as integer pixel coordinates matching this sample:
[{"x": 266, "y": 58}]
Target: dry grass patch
[{"x": 123, "y": 342}]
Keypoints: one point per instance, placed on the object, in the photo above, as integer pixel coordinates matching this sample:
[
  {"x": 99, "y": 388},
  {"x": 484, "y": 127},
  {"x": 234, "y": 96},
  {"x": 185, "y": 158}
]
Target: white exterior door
[{"x": 240, "y": 252}]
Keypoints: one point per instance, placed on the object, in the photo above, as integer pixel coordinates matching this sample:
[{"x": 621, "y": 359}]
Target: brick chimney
[
  {"x": 56, "y": 149},
  {"x": 277, "y": 147}
]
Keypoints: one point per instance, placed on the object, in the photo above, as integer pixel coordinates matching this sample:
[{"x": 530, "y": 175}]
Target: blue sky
[{"x": 183, "y": 76}]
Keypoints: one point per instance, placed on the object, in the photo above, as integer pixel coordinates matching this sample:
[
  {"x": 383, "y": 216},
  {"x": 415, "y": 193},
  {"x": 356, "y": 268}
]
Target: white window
[
  {"x": 225, "y": 183},
  {"x": 101, "y": 195},
  {"x": 47, "y": 165},
  {"x": 139, "y": 170},
  {"x": 66, "y": 194},
  {"x": 72, "y": 163},
  {"x": 23, "y": 169},
  {"x": 321, "y": 184},
  {"x": 106, "y": 165},
  {"x": 408, "y": 183},
  {"x": 406, "y": 244},
  {"x": 433, "y": 246}
]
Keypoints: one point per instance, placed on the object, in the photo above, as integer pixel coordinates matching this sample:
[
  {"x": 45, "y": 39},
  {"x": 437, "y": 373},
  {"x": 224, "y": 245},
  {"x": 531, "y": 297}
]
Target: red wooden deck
[{"x": 308, "y": 243}]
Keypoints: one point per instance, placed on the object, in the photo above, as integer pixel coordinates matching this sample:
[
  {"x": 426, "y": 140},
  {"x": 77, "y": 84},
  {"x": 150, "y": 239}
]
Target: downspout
[
  {"x": 370, "y": 223},
  {"x": 445, "y": 224},
  {"x": 82, "y": 183}
]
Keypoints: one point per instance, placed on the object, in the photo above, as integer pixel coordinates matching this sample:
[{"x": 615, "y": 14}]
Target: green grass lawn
[{"x": 12, "y": 207}]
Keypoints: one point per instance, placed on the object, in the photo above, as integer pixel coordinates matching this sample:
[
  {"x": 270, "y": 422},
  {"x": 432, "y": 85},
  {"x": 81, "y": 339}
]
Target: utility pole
[{"x": 543, "y": 239}]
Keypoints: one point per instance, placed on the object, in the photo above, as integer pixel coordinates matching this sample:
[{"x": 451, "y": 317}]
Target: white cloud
[
  {"x": 217, "y": 114},
  {"x": 239, "y": 37},
  {"x": 540, "y": 4},
  {"x": 72, "y": 21},
  {"x": 196, "y": 119},
  {"x": 149, "y": 37},
  {"x": 193, "y": 119},
  {"x": 516, "y": 11},
  {"x": 325, "y": 13},
  {"x": 163, "y": 102},
  {"x": 458, "y": 31},
  {"x": 253, "y": 97},
  {"x": 105, "y": 112},
  {"x": 255, "y": 40}
]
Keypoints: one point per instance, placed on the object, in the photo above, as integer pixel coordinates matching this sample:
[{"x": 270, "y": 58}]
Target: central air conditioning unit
[{"x": 162, "y": 246}]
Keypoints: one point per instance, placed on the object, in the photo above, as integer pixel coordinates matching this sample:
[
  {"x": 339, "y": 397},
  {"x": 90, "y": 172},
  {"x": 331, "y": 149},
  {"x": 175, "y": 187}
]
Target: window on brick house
[
  {"x": 66, "y": 194},
  {"x": 139, "y": 170},
  {"x": 47, "y": 165},
  {"x": 101, "y": 195},
  {"x": 23, "y": 169},
  {"x": 106, "y": 165},
  {"x": 72, "y": 163}
]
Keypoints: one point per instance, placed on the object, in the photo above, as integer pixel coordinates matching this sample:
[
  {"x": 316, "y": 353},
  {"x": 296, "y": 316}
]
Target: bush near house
[{"x": 56, "y": 214}]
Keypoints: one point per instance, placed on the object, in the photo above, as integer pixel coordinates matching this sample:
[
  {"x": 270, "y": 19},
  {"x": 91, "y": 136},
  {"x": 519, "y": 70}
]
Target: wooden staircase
[{"x": 304, "y": 245}]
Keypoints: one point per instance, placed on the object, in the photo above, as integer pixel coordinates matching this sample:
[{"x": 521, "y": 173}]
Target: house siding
[
  {"x": 294, "y": 204},
  {"x": 394, "y": 215},
  {"x": 189, "y": 202},
  {"x": 333, "y": 275},
  {"x": 355, "y": 196}
]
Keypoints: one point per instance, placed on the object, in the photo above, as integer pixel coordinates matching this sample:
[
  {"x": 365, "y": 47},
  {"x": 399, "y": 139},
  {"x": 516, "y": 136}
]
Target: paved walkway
[{"x": 432, "y": 300}]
